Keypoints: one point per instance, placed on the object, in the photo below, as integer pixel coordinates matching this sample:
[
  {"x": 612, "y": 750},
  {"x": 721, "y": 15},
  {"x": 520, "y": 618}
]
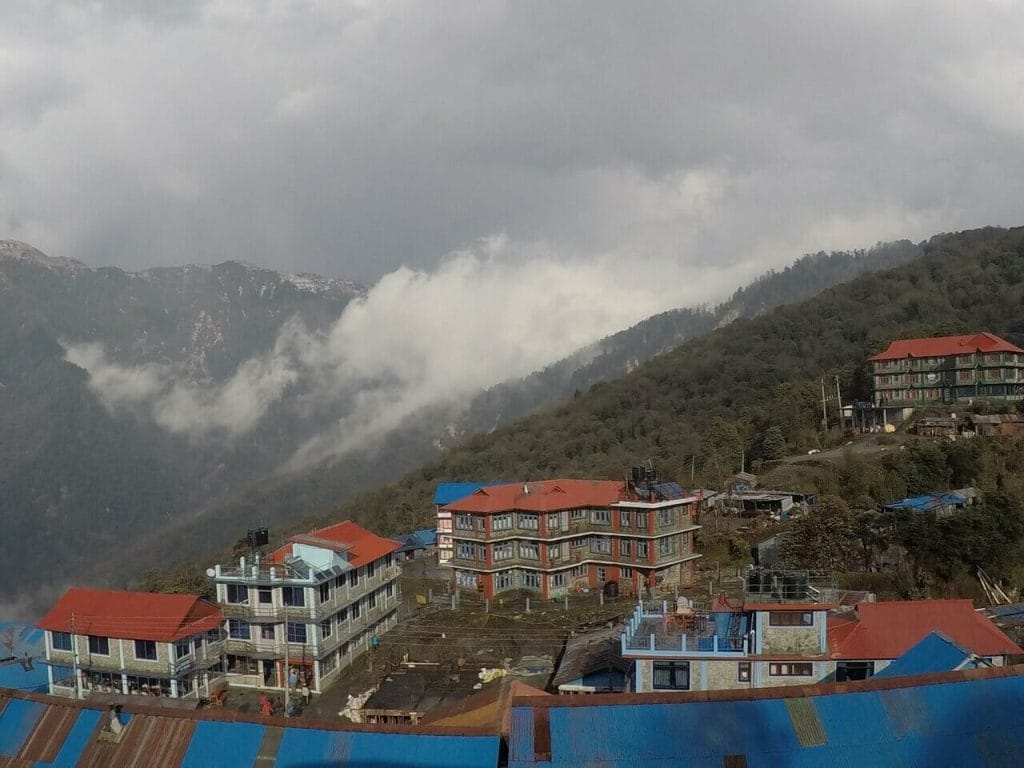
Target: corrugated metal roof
[
  {"x": 446, "y": 493},
  {"x": 63, "y": 733},
  {"x": 28, "y": 642},
  {"x": 935, "y": 653},
  {"x": 953, "y": 719}
]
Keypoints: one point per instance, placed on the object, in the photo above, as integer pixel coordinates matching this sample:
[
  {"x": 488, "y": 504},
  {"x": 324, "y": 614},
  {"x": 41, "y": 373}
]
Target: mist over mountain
[{"x": 147, "y": 416}]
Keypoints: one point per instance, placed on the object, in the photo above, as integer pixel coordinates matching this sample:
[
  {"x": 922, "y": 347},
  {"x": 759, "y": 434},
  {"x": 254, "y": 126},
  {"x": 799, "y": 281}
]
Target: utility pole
[
  {"x": 287, "y": 668},
  {"x": 824, "y": 411},
  {"x": 839, "y": 404}
]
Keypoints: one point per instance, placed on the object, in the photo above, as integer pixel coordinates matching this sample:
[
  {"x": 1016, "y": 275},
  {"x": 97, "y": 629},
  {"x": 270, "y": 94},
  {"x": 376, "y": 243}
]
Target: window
[
  {"x": 601, "y": 516},
  {"x": 266, "y": 596},
  {"x": 743, "y": 672},
  {"x": 529, "y": 522},
  {"x": 355, "y": 610},
  {"x": 325, "y": 592},
  {"x": 326, "y": 630},
  {"x": 554, "y": 523},
  {"x": 182, "y": 648},
  {"x": 353, "y": 578},
  {"x": 602, "y": 575},
  {"x": 329, "y": 664},
  {"x": 641, "y": 520},
  {"x": 623, "y": 518},
  {"x": 601, "y": 545},
  {"x": 239, "y": 629},
  {"x": 465, "y": 579},
  {"x": 371, "y": 600},
  {"x": 389, "y": 590},
  {"x": 529, "y": 551},
  {"x": 641, "y": 550},
  {"x": 267, "y": 632},
  {"x": 464, "y": 522},
  {"x": 667, "y": 546},
  {"x": 671, "y": 676},
  {"x": 213, "y": 635},
  {"x": 342, "y": 616},
  {"x": 791, "y": 669},
  {"x": 666, "y": 516},
  {"x": 465, "y": 550},
  {"x": 578, "y": 514},
  {"x": 371, "y": 568},
  {"x": 579, "y": 543},
  {"x": 99, "y": 645},
  {"x": 339, "y": 581},
  {"x": 61, "y": 641},
  {"x": 625, "y": 573},
  {"x": 625, "y": 548},
  {"x": 504, "y": 551},
  {"x": 145, "y": 650},
  {"x": 502, "y": 522},
  {"x": 531, "y": 580},
  {"x": 579, "y": 571},
  {"x": 557, "y": 580},
  {"x": 238, "y": 594},
  {"x": 388, "y": 561},
  {"x": 296, "y": 633},
  {"x": 294, "y": 596},
  {"x": 554, "y": 552},
  {"x": 790, "y": 619},
  {"x": 503, "y": 581}
]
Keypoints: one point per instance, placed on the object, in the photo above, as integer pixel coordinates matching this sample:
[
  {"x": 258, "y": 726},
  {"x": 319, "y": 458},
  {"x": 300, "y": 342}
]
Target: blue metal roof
[
  {"x": 961, "y": 722},
  {"x": 928, "y": 501},
  {"x": 302, "y": 748},
  {"x": 934, "y": 653},
  {"x": 28, "y": 641},
  {"x": 26, "y": 722},
  {"x": 669, "y": 491},
  {"x": 449, "y": 493},
  {"x": 211, "y": 741},
  {"x": 425, "y": 537}
]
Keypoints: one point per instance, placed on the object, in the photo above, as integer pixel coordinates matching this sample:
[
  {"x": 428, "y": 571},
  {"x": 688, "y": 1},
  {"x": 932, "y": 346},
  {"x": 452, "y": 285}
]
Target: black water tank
[
  {"x": 791, "y": 589},
  {"x": 611, "y": 589}
]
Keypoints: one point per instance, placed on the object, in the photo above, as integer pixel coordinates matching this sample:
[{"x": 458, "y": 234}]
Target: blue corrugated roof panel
[
  {"x": 17, "y": 720},
  {"x": 934, "y": 653},
  {"x": 971, "y": 722},
  {"x": 213, "y": 742},
  {"x": 669, "y": 491},
  {"x": 926, "y": 502},
  {"x": 302, "y": 748},
  {"x": 448, "y": 493},
  {"x": 77, "y": 739}
]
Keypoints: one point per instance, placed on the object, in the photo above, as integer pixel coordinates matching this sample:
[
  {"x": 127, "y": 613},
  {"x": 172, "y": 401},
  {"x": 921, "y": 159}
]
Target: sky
[{"x": 512, "y": 180}]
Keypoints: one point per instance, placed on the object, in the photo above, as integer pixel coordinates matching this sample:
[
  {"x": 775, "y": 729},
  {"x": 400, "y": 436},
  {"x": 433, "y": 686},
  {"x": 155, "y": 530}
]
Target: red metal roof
[
  {"x": 945, "y": 346},
  {"x": 361, "y": 545},
  {"x": 543, "y": 496},
  {"x": 131, "y": 615},
  {"x": 887, "y": 630}
]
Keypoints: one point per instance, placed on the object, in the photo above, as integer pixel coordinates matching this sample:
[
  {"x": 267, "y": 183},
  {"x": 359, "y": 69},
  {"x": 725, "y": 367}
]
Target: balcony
[
  {"x": 763, "y": 585},
  {"x": 655, "y": 630}
]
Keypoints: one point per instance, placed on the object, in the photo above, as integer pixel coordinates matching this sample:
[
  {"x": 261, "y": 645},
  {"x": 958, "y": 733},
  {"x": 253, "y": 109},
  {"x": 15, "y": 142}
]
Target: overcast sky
[{"x": 669, "y": 141}]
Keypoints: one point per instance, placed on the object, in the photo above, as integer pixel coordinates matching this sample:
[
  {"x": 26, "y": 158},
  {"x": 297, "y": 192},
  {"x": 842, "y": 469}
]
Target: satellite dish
[{"x": 211, "y": 572}]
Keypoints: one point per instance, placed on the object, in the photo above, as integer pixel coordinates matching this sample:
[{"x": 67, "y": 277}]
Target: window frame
[
  {"x": 791, "y": 669},
  {"x": 775, "y": 619},
  {"x": 147, "y": 646},
  {"x": 62, "y": 635},
  {"x": 95, "y": 643},
  {"x": 673, "y": 668}
]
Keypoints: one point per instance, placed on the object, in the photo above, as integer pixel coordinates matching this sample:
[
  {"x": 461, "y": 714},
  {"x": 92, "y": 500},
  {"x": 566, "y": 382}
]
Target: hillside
[
  {"x": 280, "y": 502},
  {"x": 712, "y": 398}
]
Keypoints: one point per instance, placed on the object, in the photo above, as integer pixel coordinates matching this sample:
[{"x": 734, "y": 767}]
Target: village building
[
  {"x": 310, "y": 608},
  {"x": 785, "y": 631},
  {"x": 948, "y": 369},
  {"x": 141, "y": 643},
  {"x": 940, "y": 504},
  {"x": 557, "y": 535},
  {"x": 445, "y": 494}
]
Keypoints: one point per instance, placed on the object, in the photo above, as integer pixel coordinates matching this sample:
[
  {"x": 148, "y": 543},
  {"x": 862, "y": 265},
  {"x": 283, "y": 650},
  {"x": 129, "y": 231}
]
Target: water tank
[
  {"x": 792, "y": 588},
  {"x": 754, "y": 581},
  {"x": 611, "y": 589}
]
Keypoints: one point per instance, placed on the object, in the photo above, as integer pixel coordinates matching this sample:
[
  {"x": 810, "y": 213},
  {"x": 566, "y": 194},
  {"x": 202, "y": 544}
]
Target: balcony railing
[
  {"x": 653, "y": 631},
  {"x": 578, "y": 528}
]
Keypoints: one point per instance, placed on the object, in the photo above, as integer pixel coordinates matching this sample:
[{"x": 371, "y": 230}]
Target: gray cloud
[{"x": 350, "y": 139}]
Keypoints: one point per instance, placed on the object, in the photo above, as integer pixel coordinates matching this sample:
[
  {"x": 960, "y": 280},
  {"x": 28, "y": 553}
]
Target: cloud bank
[
  {"x": 353, "y": 138},
  {"x": 496, "y": 312}
]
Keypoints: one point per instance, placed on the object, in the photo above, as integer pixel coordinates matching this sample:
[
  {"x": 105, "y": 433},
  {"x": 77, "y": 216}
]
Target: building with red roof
[
  {"x": 877, "y": 633},
  {"x": 308, "y": 609},
  {"x": 555, "y": 535},
  {"x": 948, "y": 369},
  {"x": 132, "y": 643}
]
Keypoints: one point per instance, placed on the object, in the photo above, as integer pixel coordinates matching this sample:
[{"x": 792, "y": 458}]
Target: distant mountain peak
[{"x": 15, "y": 250}]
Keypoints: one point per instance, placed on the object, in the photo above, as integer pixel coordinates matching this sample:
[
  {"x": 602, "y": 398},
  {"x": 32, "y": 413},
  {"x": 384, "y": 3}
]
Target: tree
[
  {"x": 773, "y": 444},
  {"x": 822, "y": 540}
]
